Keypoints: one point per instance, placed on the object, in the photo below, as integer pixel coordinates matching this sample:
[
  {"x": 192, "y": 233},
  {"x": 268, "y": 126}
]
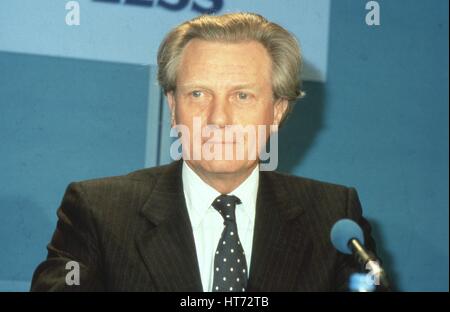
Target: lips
[{"x": 220, "y": 142}]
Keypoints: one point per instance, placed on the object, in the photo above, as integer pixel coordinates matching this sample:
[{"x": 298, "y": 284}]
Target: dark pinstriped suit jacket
[{"x": 133, "y": 233}]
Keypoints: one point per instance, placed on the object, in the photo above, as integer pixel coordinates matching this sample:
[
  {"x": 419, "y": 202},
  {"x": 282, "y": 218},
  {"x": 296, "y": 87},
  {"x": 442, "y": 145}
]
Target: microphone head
[{"x": 342, "y": 232}]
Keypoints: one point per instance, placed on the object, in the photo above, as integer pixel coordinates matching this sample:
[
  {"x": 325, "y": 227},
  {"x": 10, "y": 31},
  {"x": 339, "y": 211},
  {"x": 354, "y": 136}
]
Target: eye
[
  {"x": 196, "y": 93},
  {"x": 242, "y": 96}
]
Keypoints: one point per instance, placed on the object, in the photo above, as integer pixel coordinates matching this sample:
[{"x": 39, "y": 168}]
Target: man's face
[{"x": 224, "y": 84}]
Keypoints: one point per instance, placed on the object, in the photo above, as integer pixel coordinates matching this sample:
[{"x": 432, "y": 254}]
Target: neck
[{"x": 224, "y": 182}]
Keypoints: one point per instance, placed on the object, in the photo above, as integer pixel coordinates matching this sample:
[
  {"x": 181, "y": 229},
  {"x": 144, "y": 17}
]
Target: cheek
[
  {"x": 259, "y": 114},
  {"x": 270, "y": 114},
  {"x": 183, "y": 114},
  {"x": 266, "y": 114}
]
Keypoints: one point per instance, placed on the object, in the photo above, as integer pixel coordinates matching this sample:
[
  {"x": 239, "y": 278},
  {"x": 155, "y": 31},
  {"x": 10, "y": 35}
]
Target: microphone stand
[{"x": 369, "y": 262}]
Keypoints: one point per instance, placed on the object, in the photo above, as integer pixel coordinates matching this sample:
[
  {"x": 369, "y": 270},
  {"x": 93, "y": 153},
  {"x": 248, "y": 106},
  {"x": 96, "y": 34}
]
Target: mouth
[{"x": 219, "y": 142}]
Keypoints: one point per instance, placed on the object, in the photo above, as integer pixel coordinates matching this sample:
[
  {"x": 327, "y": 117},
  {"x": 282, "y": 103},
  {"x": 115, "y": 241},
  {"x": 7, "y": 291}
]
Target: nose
[{"x": 220, "y": 112}]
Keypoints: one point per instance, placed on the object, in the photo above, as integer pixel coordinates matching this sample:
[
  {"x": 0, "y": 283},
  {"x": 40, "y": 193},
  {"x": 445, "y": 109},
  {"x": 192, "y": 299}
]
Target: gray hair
[{"x": 281, "y": 45}]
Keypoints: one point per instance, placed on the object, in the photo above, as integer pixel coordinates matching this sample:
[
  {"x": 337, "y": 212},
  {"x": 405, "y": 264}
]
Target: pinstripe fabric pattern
[{"x": 132, "y": 233}]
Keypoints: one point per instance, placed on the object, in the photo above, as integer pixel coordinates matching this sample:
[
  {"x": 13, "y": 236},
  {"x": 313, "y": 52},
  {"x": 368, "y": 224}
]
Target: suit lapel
[
  {"x": 281, "y": 241},
  {"x": 167, "y": 244}
]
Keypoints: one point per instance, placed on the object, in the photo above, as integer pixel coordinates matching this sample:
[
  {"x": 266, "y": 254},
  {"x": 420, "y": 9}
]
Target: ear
[
  {"x": 171, "y": 102},
  {"x": 279, "y": 110}
]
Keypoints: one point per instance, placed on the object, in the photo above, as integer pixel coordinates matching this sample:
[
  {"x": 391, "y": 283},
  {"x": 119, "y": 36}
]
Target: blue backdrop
[{"x": 379, "y": 123}]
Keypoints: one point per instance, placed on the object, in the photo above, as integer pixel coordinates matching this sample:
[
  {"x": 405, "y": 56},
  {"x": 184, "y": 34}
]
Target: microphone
[{"x": 348, "y": 238}]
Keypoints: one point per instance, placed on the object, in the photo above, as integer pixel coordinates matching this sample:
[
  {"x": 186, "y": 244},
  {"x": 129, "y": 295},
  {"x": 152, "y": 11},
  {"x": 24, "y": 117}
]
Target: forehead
[{"x": 222, "y": 61}]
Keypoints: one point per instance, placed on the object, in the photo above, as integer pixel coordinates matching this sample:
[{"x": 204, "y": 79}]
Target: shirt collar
[
  {"x": 199, "y": 195},
  {"x": 247, "y": 192}
]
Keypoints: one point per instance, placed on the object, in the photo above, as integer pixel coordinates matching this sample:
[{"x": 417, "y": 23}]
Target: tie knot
[{"x": 226, "y": 205}]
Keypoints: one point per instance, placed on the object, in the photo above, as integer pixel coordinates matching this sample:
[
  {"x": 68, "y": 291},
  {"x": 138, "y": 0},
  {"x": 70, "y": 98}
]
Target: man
[{"x": 210, "y": 223}]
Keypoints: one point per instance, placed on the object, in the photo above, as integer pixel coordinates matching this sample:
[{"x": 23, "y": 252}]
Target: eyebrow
[{"x": 203, "y": 86}]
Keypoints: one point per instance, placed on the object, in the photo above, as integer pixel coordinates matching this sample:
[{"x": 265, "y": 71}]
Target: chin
[{"x": 223, "y": 166}]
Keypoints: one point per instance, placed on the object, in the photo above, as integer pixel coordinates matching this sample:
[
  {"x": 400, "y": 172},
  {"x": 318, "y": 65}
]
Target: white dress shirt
[{"x": 207, "y": 223}]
